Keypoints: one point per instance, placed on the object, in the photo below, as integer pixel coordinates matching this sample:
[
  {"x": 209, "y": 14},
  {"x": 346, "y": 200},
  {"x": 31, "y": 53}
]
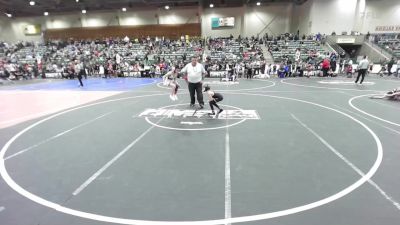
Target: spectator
[
  {"x": 390, "y": 65},
  {"x": 325, "y": 67}
]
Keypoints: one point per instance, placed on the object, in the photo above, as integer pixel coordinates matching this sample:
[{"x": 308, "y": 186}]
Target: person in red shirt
[{"x": 325, "y": 67}]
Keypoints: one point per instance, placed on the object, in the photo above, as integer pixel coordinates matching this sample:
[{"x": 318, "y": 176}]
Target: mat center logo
[{"x": 179, "y": 117}]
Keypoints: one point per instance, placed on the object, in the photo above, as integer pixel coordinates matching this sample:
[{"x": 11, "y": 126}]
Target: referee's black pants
[
  {"x": 361, "y": 73},
  {"x": 196, "y": 88}
]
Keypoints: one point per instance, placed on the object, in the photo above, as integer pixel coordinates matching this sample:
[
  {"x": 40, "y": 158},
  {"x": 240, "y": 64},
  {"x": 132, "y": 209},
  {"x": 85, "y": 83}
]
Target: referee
[
  {"x": 195, "y": 74},
  {"x": 362, "y": 69}
]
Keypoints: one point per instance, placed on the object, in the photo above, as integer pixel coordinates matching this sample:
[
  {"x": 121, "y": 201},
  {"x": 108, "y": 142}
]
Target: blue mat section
[{"x": 91, "y": 84}]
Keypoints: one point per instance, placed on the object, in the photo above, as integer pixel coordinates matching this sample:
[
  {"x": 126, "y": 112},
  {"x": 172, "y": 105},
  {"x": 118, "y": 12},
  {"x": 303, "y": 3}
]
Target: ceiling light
[
  {"x": 211, "y": 5},
  {"x": 84, "y": 11},
  {"x": 46, "y": 13},
  {"x": 258, "y": 3},
  {"x": 32, "y": 3},
  {"x": 123, "y": 9},
  {"x": 77, "y": 0},
  {"x": 167, "y": 7}
]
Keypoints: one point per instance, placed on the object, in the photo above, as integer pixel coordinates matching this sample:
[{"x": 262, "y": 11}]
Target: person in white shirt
[
  {"x": 362, "y": 69},
  {"x": 101, "y": 70},
  {"x": 194, "y": 75}
]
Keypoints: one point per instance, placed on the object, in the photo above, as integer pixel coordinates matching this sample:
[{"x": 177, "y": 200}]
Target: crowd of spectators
[
  {"x": 107, "y": 57},
  {"x": 239, "y": 57},
  {"x": 146, "y": 57},
  {"x": 390, "y": 42},
  {"x": 294, "y": 55}
]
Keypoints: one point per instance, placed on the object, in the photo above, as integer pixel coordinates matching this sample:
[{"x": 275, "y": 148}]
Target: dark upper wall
[{"x": 168, "y": 31}]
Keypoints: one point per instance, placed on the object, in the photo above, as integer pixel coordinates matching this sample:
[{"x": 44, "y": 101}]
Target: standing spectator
[
  {"x": 390, "y": 65},
  {"x": 367, "y": 36},
  {"x": 195, "y": 73},
  {"x": 325, "y": 67},
  {"x": 362, "y": 69},
  {"x": 79, "y": 72},
  {"x": 341, "y": 64},
  {"x": 249, "y": 69},
  {"x": 333, "y": 65},
  {"x": 101, "y": 70}
]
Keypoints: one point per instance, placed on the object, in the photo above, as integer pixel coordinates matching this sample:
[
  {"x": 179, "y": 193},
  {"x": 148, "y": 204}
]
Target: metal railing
[
  {"x": 380, "y": 50},
  {"x": 339, "y": 50}
]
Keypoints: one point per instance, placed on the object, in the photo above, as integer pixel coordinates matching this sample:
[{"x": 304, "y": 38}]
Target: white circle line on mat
[
  {"x": 284, "y": 81},
  {"x": 97, "y": 217},
  {"x": 369, "y": 114}
]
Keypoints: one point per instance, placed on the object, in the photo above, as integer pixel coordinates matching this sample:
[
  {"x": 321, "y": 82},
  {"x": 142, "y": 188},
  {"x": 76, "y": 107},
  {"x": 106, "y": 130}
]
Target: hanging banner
[
  {"x": 346, "y": 40},
  {"x": 387, "y": 28},
  {"x": 35, "y": 29},
  {"x": 223, "y": 22}
]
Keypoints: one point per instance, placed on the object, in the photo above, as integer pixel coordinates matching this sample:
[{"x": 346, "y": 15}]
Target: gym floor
[{"x": 295, "y": 151}]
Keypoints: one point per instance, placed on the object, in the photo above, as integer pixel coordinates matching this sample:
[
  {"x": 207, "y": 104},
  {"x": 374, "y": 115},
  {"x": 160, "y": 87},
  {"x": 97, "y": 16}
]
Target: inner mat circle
[{"x": 198, "y": 120}]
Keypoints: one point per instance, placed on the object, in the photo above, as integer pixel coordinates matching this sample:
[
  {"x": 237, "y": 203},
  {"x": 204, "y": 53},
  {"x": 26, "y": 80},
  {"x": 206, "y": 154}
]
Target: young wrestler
[
  {"x": 391, "y": 95},
  {"x": 213, "y": 98},
  {"x": 169, "y": 79}
]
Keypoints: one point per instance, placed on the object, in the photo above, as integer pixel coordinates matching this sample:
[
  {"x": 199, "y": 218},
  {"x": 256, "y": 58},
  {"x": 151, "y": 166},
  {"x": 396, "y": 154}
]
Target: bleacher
[
  {"x": 389, "y": 42},
  {"x": 27, "y": 55},
  {"x": 225, "y": 49},
  {"x": 287, "y": 49}
]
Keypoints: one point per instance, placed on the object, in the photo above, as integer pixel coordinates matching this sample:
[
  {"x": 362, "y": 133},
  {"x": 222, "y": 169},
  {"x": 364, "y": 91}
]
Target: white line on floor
[
  {"x": 321, "y": 87},
  {"x": 102, "y": 169},
  {"x": 228, "y": 187},
  {"x": 228, "y": 196},
  {"x": 55, "y": 136},
  {"x": 376, "y": 101},
  {"x": 350, "y": 164},
  {"x": 350, "y": 102},
  {"x": 30, "y": 116},
  {"x": 108, "y": 164},
  {"x": 191, "y": 123},
  {"x": 393, "y": 130}
]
